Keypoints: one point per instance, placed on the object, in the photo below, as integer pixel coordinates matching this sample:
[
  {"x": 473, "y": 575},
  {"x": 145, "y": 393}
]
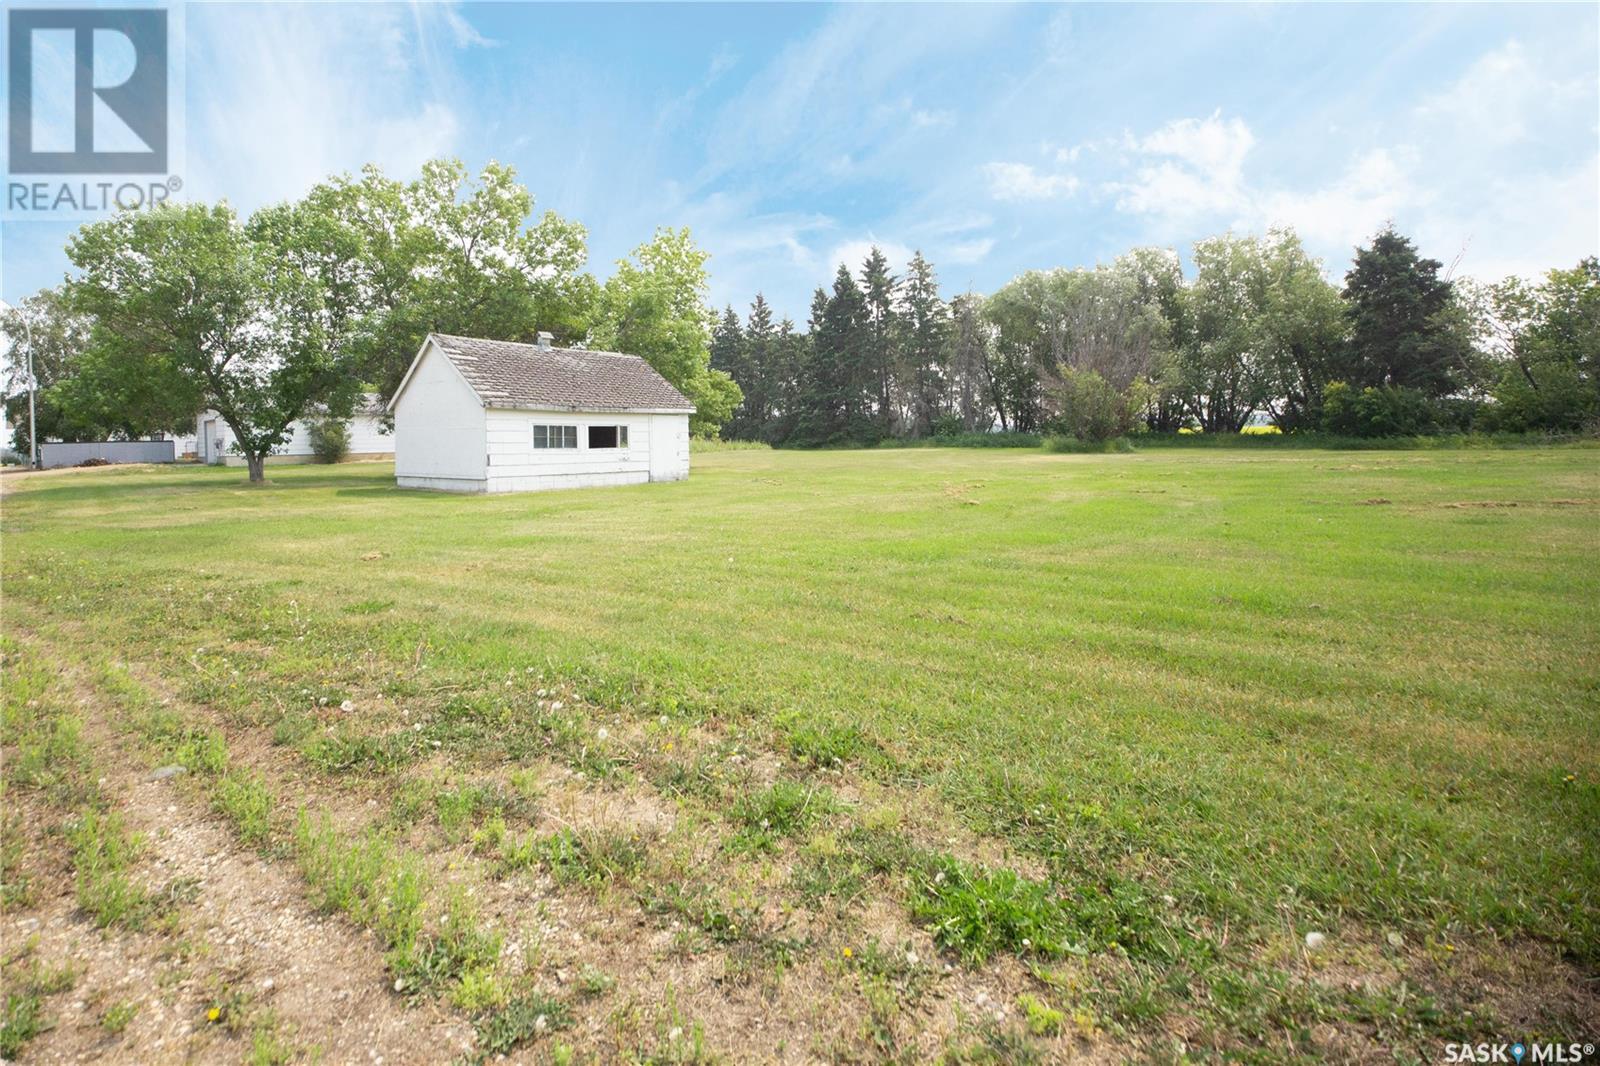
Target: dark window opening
[{"x": 608, "y": 436}]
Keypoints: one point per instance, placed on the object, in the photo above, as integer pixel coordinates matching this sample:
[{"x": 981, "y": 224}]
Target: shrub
[
  {"x": 330, "y": 439},
  {"x": 1564, "y": 401},
  {"x": 1090, "y": 408},
  {"x": 1390, "y": 411},
  {"x": 1074, "y": 446}
]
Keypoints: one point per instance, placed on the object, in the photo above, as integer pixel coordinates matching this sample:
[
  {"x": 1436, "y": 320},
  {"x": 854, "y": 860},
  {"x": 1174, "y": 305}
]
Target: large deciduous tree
[
  {"x": 450, "y": 253},
  {"x": 654, "y": 306},
  {"x": 80, "y": 395},
  {"x": 1546, "y": 338},
  {"x": 1222, "y": 374},
  {"x": 1301, "y": 333},
  {"x": 971, "y": 363},
  {"x": 185, "y": 294}
]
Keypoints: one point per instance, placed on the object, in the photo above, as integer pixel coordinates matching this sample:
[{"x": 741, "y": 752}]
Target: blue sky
[{"x": 994, "y": 138}]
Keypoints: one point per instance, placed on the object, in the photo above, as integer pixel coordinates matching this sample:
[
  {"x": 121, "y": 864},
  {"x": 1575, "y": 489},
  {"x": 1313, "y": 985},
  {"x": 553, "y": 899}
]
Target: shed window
[
  {"x": 555, "y": 436},
  {"x": 608, "y": 436}
]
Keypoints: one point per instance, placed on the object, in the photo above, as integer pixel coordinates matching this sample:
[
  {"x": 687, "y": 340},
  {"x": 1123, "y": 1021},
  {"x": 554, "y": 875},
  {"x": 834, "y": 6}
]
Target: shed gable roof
[{"x": 508, "y": 374}]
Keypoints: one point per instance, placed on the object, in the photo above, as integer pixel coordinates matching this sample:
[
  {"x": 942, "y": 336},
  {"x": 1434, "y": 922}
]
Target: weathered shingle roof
[{"x": 507, "y": 374}]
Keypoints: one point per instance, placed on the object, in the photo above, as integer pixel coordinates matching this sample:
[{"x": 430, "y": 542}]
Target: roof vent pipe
[{"x": 545, "y": 339}]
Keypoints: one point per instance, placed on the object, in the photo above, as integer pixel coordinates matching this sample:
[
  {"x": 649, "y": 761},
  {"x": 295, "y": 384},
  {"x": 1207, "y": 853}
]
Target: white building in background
[
  {"x": 495, "y": 416},
  {"x": 369, "y": 439}
]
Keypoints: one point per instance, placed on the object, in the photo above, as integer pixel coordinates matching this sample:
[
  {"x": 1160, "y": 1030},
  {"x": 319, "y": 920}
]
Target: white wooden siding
[
  {"x": 367, "y": 440},
  {"x": 658, "y": 450},
  {"x": 445, "y": 439},
  {"x": 669, "y": 447},
  {"x": 515, "y": 465},
  {"x": 439, "y": 430}
]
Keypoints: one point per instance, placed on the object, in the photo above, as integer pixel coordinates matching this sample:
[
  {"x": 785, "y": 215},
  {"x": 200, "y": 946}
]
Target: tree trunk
[{"x": 256, "y": 463}]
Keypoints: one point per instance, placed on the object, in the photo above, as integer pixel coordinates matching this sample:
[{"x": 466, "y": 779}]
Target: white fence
[{"x": 116, "y": 451}]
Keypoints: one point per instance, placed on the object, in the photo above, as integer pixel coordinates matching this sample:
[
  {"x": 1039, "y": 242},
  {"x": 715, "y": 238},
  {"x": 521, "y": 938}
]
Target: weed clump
[{"x": 786, "y": 809}]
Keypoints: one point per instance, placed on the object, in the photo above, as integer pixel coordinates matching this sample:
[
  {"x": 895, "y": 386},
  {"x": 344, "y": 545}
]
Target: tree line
[
  {"x": 302, "y": 306},
  {"x": 1256, "y": 333}
]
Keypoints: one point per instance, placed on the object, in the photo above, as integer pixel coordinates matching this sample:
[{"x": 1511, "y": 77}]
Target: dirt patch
[
  {"x": 243, "y": 941},
  {"x": 742, "y": 966}
]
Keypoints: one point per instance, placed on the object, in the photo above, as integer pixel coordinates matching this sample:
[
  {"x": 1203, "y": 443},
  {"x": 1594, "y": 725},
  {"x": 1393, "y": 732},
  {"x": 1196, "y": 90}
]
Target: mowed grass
[{"x": 1269, "y": 693}]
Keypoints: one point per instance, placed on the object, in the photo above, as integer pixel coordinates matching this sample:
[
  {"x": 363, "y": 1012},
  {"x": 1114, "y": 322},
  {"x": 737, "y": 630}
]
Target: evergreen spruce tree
[
  {"x": 789, "y": 350},
  {"x": 924, "y": 321},
  {"x": 760, "y": 357},
  {"x": 728, "y": 355},
  {"x": 819, "y": 392},
  {"x": 845, "y": 334},
  {"x": 879, "y": 336},
  {"x": 1400, "y": 332}
]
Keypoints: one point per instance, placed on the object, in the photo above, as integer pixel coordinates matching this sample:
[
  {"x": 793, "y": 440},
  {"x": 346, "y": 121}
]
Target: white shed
[
  {"x": 477, "y": 415},
  {"x": 369, "y": 437}
]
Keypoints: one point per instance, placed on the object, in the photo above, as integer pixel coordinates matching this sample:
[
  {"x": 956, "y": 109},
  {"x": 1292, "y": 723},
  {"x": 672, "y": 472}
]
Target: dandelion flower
[
  {"x": 848, "y": 953},
  {"x": 601, "y": 733},
  {"x": 213, "y": 1014}
]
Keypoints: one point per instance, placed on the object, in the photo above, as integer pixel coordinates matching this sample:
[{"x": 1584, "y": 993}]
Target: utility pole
[{"x": 33, "y": 437}]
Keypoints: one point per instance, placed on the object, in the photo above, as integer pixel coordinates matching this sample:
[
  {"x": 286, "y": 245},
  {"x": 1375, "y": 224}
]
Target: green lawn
[{"x": 1347, "y": 692}]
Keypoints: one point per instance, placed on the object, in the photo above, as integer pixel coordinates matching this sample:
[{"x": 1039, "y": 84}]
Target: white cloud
[
  {"x": 810, "y": 96},
  {"x": 923, "y": 119},
  {"x": 1503, "y": 97},
  {"x": 1213, "y": 144},
  {"x": 1020, "y": 181},
  {"x": 1375, "y": 188},
  {"x": 1540, "y": 221},
  {"x": 754, "y": 251},
  {"x": 1192, "y": 173},
  {"x": 965, "y": 252},
  {"x": 284, "y": 106},
  {"x": 1195, "y": 168}
]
